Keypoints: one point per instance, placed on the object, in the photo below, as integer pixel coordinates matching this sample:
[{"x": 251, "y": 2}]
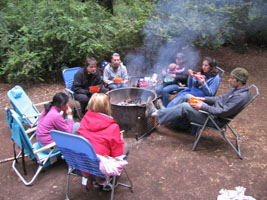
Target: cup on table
[
  {"x": 117, "y": 80},
  {"x": 94, "y": 88},
  {"x": 194, "y": 100}
]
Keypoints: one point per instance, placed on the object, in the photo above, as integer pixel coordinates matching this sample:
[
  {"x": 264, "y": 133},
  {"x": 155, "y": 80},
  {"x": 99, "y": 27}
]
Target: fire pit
[{"x": 128, "y": 109}]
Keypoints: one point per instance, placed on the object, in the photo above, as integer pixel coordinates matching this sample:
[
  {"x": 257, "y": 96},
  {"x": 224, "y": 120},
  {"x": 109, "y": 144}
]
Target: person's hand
[
  {"x": 201, "y": 80},
  {"x": 68, "y": 111},
  {"x": 190, "y": 72},
  {"x": 181, "y": 85},
  {"x": 197, "y": 105},
  {"x": 125, "y": 81}
]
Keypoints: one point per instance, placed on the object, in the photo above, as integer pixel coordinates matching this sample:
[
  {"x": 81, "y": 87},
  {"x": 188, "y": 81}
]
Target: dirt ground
[{"x": 162, "y": 165}]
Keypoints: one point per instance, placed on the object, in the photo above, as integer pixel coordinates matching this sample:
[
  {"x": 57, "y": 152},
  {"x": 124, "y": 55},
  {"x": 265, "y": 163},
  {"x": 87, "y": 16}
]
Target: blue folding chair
[
  {"x": 34, "y": 151},
  {"x": 68, "y": 76},
  {"x": 23, "y": 105},
  {"x": 80, "y": 156}
]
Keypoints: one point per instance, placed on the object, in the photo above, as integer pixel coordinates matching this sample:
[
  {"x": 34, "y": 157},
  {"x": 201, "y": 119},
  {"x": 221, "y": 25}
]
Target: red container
[{"x": 94, "y": 88}]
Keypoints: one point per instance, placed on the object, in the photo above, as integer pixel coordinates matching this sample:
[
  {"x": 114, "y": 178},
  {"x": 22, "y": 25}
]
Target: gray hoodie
[{"x": 227, "y": 105}]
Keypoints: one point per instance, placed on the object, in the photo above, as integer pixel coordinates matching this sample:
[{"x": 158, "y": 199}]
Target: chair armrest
[
  {"x": 42, "y": 103},
  {"x": 31, "y": 130},
  {"x": 28, "y": 116},
  {"x": 49, "y": 146},
  {"x": 69, "y": 91}
]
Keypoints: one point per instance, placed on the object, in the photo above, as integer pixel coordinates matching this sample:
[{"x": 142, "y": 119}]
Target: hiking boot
[{"x": 150, "y": 108}]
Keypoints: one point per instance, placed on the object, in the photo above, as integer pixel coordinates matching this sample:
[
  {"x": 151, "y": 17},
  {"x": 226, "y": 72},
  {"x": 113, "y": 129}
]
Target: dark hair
[
  {"x": 180, "y": 56},
  {"x": 212, "y": 63},
  {"x": 90, "y": 60},
  {"x": 59, "y": 99}
]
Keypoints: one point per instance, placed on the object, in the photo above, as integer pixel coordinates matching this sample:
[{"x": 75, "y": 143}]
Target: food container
[
  {"x": 117, "y": 80},
  {"x": 194, "y": 100},
  {"x": 199, "y": 76},
  {"x": 94, "y": 88}
]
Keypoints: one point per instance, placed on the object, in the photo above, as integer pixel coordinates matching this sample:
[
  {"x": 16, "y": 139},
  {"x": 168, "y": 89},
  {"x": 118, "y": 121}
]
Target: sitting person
[
  {"x": 100, "y": 129},
  {"x": 225, "y": 106},
  {"x": 115, "y": 73},
  {"x": 51, "y": 118},
  {"x": 170, "y": 83},
  {"x": 202, "y": 84},
  {"x": 83, "y": 79}
]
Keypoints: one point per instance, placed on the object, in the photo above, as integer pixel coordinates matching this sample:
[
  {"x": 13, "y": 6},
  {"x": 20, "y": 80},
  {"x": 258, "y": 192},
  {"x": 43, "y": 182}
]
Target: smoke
[{"x": 176, "y": 26}]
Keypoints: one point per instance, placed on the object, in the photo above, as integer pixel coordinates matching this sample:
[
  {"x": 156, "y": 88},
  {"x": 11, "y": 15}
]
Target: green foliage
[
  {"x": 40, "y": 38},
  {"x": 200, "y": 23}
]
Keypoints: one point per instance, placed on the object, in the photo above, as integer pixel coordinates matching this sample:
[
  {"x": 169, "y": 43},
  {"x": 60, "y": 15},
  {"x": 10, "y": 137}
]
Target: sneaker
[
  {"x": 160, "y": 104},
  {"x": 150, "y": 108}
]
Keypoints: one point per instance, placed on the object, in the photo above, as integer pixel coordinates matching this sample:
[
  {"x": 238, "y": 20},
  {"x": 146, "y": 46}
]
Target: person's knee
[{"x": 187, "y": 97}]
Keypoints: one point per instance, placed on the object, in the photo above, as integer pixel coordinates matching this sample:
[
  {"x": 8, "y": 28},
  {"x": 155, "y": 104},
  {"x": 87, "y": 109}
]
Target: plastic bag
[
  {"x": 238, "y": 194},
  {"x": 111, "y": 166}
]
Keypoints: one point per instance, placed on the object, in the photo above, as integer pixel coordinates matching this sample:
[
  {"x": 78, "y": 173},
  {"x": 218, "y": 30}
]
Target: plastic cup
[
  {"x": 94, "y": 88},
  {"x": 194, "y": 100},
  {"x": 117, "y": 80}
]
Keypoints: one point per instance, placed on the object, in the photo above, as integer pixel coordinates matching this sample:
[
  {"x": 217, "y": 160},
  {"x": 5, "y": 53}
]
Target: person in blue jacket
[{"x": 200, "y": 84}]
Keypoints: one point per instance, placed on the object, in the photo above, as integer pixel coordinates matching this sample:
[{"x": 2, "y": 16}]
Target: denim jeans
[
  {"x": 117, "y": 85},
  {"x": 165, "y": 90},
  {"x": 180, "y": 111}
]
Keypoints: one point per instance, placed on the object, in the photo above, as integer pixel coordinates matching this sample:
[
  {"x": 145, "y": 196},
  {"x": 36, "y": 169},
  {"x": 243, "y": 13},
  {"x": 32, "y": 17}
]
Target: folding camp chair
[
  {"x": 68, "y": 76},
  {"x": 23, "y": 105},
  {"x": 80, "y": 156},
  {"x": 33, "y": 150},
  {"x": 211, "y": 123}
]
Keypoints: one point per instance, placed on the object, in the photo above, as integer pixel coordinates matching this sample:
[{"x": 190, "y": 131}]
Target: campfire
[
  {"x": 130, "y": 102},
  {"x": 128, "y": 109}
]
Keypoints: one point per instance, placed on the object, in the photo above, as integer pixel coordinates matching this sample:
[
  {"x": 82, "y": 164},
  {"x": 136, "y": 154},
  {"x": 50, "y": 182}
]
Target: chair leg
[
  {"x": 113, "y": 188},
  {"x": 125, "y": 185},
  {"x": 198, "y": 136},
  {"x": 68, "y": 182},
  {"x": 237, "y": 148}
]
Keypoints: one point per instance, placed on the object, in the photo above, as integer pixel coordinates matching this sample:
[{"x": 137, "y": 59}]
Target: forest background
[{"x": 39, "y": 38}]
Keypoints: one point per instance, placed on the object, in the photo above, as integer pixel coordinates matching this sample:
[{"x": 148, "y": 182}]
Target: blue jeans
[
  {"x": 117, "y": 85},
  {"x": 165, "y": 90},
  {"x": 182, "y": 111}
]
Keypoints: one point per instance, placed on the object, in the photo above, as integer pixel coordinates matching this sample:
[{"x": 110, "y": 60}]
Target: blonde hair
[{"x": 100, "y": 102}]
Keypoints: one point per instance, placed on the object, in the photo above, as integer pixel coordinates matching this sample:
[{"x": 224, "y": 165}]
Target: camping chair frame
[
  {"x": 23, "y": 106},
  {"x": 33, "y": 151},
  {"x": 68, "y": 76},
  {"x": 222, "y": 130},
  {"x": 80, "y": 156}
]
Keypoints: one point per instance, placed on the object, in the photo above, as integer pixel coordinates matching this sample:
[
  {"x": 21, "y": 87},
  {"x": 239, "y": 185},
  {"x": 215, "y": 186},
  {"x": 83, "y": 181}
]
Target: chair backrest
[
  {"x": 23, "y": 105},
  {"x": 220, "y": 71},
  {"x": 77, "y": 151},
  {"x": 103, "y": 64},
  {"x": 68, "y": 76},
  {"x": 18, "y": 133},
  {"x": 253, "y": 93}
]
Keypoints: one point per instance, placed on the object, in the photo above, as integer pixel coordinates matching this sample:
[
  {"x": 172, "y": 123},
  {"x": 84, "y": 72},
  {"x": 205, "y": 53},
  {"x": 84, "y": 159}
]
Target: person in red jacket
[{"x": 100, "y": 129}]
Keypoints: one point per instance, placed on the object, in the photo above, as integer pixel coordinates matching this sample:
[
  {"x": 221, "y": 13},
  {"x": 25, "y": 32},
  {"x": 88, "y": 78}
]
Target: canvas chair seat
[
  {"x": 81, "y": 157},
  {"x": 33, "y": 150},
  {"x": 221, "y": 126}
]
